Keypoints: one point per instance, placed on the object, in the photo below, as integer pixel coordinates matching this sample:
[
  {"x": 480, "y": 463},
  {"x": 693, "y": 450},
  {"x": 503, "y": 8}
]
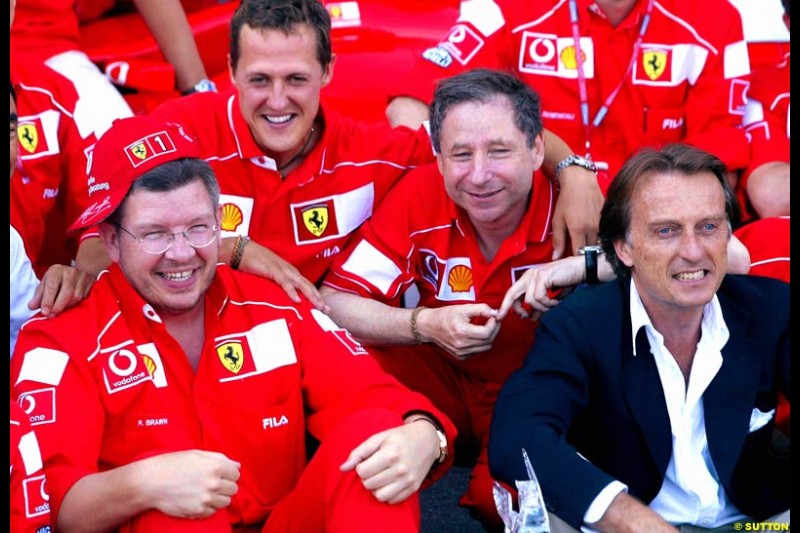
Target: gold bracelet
[
  {"x": 414, "y": 328},
  {"x": 238, "y": 251}
]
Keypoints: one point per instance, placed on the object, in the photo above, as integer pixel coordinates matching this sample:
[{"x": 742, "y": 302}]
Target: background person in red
[
  {"x": 647, "y": 72},
  {"x": 177, "y": 396},
  {"x": 462, "y": 232},
  {"x": 765, "y": 186}
]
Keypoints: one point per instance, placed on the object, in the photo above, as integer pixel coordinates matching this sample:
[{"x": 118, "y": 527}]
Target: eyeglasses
[{"x": 158, "y": 242}]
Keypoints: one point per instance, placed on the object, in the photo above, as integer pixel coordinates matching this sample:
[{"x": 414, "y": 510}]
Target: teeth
[
  {"x": 177, "y": 276},
  {"x": 278, "y": 120},
  {"x": 690, "y": 276}
]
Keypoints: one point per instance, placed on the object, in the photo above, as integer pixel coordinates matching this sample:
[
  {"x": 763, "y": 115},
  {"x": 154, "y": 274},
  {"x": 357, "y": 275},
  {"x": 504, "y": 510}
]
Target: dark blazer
[{"x": 581, "y": 389}]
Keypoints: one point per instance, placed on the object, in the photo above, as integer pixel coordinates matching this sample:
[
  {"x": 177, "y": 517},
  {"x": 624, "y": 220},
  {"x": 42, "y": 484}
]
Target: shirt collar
[{"x": 714, "y": 330}]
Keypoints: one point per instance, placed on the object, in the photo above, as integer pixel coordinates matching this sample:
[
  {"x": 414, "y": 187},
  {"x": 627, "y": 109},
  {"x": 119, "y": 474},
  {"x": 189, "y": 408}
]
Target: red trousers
[
  {"x": 324, "y": 499},
  {"x": 466, "y": 400}
]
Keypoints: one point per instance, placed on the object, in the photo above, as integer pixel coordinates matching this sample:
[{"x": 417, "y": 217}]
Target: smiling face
[
  {"x": 677, "y": 243},
  {"x": 486, "y": 162},
  {"x": 279, "y": 78},
  {"x": 175, "y": 281}
]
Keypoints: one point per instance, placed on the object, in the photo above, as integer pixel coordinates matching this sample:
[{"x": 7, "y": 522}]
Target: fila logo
[
  {"x": 672, "y": 124},
  {"x": 274, "y": 422}
]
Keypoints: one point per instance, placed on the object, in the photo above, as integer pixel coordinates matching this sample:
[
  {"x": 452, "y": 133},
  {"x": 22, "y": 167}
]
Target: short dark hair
[
  {"x": 480, "y": 85},
  {"x": 682, "y": 159},
  {"x": 283, "y": 15},
  {"x": 170, "y": 176}
]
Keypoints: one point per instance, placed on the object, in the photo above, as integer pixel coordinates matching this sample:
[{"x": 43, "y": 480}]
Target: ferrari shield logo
[
  {"x": 231, "y": 355},
  {"x": 139, "y": 150},
  {"x": 316, "y": 219},
  {"x": 28, "y": 137},
  {"x": 654, "y": 63}
]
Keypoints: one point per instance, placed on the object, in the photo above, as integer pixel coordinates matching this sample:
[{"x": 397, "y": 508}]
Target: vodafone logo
[
  {"x": 542, "y": 50},
  {"x": 39, "y": 405},
  {"x": 538, "y": 54},
  {"x": 122, "y": 363}
]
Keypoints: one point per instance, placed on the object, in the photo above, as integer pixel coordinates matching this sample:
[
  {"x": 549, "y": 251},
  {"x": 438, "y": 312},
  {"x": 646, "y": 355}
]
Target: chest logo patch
[
  {"x": 460, "y": 278},
  {"x": 315, "y": 219},
  {"x": 28, "y": 136},
  {"x": 654, "y": 63},
  {"x": 231, "y": 355},
  {"x": 231, "y": 217}
]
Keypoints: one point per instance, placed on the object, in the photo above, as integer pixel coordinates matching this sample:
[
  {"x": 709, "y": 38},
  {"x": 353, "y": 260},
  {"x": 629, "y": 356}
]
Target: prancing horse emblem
[
  {"x": 316, "y": 219},
  {"x": 231, "y": 355}
]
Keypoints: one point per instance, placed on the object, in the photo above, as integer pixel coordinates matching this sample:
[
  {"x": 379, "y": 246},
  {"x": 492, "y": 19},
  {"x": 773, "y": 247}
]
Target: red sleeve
[
  {"x": 339, "y": 378},
  {"x": 376, "y": 263},
  {"x": 62, "y": 402},
  {"x": 28, "y": 507}
]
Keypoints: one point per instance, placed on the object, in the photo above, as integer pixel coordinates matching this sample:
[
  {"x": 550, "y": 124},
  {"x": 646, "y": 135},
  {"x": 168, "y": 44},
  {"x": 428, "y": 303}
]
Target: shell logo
[
  {"x": 149, "y": 364},
  {"x": 460, "y": 279},
  {"x": 231, "y": 217},
  {"x": 568, "y": 57}
]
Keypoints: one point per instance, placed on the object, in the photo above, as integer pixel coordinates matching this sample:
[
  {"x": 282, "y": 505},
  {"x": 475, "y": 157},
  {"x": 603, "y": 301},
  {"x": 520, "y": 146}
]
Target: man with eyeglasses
[{"x": 178, "y": 395}]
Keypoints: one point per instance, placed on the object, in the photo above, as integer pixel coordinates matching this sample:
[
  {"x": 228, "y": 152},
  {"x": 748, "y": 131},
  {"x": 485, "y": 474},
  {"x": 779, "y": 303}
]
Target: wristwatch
[
  {"x": 569, "y": 161},
  {"x": 590, "y": 254},
  {"x": 439, "y": 434},
  {"x": 202, "y": 86},
  {"x": 442, "y": 445}
]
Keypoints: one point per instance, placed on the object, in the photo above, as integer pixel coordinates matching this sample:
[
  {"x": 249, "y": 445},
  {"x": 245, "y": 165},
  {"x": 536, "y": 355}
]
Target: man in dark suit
[{"x": 648, "y": 402}]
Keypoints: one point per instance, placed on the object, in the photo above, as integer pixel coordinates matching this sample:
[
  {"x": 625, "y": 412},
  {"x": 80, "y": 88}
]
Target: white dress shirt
[
  {"x": 690, "y": 493},
  {"x": 23, "y": 284}
]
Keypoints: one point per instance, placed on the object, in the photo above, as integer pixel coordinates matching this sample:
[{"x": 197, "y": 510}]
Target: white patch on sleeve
[
  {"x": 271, "y": 345},
  {"x": 737, "y": 60},
  {"x": 368, "y": 263},
  {"x": 43, "y": 365},
  {"x": 485, "y": 15},
  {"x": 30, "y": 453},
  {"x": 325, "y": 322}
]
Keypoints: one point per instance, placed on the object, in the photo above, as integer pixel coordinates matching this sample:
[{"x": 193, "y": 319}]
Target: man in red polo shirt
[{"x": 463, "y": 233}]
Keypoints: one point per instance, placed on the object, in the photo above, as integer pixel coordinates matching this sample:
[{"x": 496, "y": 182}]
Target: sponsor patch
[
  {"x": 38, "y": 135},
  {"x": 237, "y": 213},
  {"x": 266, "y": 347},
  {"x": 231, "y": 355},
  {"x": 315, "y": 221},
  {"x": 438, "y": 56},
  {"x": 147, "y": 148},
  {"x": 546, "y": 54},
  {"x": 232, "y": 217},
  {"x": 451, "y": 278},
  {"x": 124, "y": 369},
  {"x": 654, "y": 64},
  {"x": 462, "y": 43},
  {"x": 37, "y": 500},
  {"x": 39, "y": 405}
]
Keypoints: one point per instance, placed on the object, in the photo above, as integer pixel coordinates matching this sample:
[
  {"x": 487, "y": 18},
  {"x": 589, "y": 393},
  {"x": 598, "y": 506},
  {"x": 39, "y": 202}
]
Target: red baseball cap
[{"x": 130, "y": 148}]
